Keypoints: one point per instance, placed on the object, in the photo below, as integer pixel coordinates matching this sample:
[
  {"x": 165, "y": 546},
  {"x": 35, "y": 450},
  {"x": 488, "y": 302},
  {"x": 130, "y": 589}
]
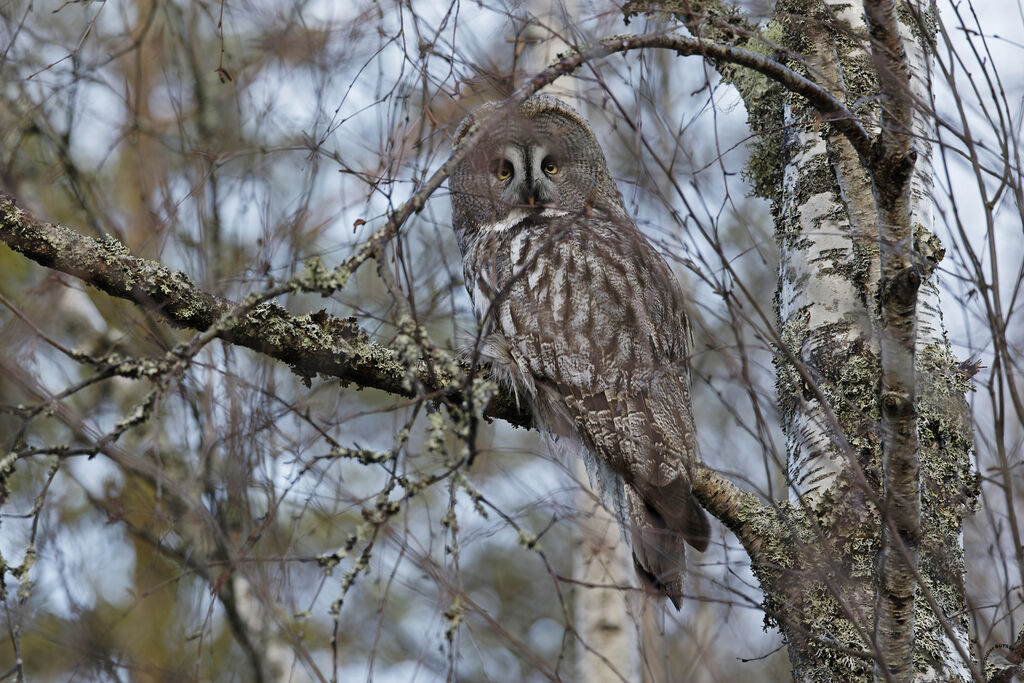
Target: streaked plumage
[{"x": 583, "y": 318}]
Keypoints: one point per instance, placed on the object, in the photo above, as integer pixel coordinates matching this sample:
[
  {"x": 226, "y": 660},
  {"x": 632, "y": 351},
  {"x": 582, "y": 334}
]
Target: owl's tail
[{"x": 659, "y": 551}]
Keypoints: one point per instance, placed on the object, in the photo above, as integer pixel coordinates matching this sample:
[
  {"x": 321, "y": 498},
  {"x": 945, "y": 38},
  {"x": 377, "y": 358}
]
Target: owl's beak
[{"x": 535, "y": 196}]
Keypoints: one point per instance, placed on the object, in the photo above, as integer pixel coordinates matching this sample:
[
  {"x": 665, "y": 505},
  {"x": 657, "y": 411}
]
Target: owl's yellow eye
[
  {"x": 549, "y": 166},
  {"x": 503, "y": 169}
]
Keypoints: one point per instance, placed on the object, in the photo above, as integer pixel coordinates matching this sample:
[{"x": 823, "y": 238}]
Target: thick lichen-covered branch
[
  {"x": 311, "y": 344},
  {"x": 741, "y": 511}
]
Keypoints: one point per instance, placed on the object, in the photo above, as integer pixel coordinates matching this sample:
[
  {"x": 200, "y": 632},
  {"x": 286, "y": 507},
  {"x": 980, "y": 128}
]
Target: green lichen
[
  {"x": 437, "y": 433},
  {"x": 112, "y": 246},
  {"x": 364, "y": 456},
  {"x": 527, "y": 540},
  {"x": 139, "y": 415},
  {"x": 315, "y": 277},
  {"x": 453, "y": 616},
  {"x": 844, "y": 263},
  {"x": 474, "y": 495},
  {"x": 944, "y": 426},
  {"x": 767, "y": 161},
  {"x": 851, "y": 382},
  {"x": 920, "y": 19},
  {"x": 816, "y": 177},
  {"x": 381, "y": 358},
  {"x": 22, "y": 571},
  {"x": 797, "y": 581},
  {"x": 949, "y": 492},
  {"x": 928, "y": 250},
  {"x": 184, "y": 304},
  {"x": 7, "y": 468},
  {"x": 931, "y": 646},
  {"x": 765, "y": 100},
  {"x": 859, "y": 80},
  {"x": 788, "y": 382}
]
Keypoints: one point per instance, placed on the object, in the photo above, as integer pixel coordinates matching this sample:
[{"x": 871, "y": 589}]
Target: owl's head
[{"x": 542, "y": 155}]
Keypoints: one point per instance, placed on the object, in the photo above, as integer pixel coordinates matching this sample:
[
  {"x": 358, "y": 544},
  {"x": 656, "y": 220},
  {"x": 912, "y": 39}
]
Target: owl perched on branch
[{"x": 582, "y": 318}]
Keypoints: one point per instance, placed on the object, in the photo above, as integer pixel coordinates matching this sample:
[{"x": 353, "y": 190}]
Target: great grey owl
[{"x": 583, "y": 319}]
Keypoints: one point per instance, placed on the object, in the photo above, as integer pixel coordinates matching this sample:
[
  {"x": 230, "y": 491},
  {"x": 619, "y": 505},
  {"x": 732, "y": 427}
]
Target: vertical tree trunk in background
[
  {"x": 608, "y": 641},
  {"x": 276, "y": 654},
  {"x": 608, "y": 648}
]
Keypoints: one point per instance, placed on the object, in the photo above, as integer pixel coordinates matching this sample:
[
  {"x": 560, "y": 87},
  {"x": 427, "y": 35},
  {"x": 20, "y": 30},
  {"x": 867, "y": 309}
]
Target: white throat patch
[{"x": 517, "y": 216}]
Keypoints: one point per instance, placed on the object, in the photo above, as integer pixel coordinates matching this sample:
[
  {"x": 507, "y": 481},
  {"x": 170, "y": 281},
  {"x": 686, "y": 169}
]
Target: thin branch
[{"x": 830, "y": 108}]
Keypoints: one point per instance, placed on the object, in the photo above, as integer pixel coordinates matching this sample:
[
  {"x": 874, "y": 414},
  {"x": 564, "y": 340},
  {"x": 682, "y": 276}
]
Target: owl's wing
[
  {"x": 643, "y": 430},
  {"x": 595, "y": 316}
]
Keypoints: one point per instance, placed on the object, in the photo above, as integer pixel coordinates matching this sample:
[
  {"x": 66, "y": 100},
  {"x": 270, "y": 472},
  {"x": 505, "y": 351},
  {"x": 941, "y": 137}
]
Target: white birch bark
[
  {"x": 277, "y": 656},
  {"x": 608, "y": 647},
  {"x": 830, "y": 272}
]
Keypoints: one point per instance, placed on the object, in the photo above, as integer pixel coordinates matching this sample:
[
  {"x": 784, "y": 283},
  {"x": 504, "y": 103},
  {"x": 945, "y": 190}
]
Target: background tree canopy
[{"x": 240, "y": 440}]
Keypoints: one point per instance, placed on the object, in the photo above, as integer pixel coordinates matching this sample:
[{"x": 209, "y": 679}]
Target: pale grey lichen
[{"x": 315, "y": 277}]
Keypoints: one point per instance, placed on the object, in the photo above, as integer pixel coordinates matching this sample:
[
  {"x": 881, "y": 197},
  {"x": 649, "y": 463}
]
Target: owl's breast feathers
[{"x": 585, "y": 318}]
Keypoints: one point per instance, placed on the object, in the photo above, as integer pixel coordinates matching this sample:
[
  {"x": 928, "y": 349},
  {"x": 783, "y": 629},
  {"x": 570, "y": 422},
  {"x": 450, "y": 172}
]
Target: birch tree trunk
[
  {"x": 865, "y": 574},
  {"x": 608, "y": 636}
]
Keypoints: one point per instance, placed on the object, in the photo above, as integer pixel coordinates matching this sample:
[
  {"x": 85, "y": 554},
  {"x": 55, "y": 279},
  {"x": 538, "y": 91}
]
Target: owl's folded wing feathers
[{"x": 606, "y": 348}]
